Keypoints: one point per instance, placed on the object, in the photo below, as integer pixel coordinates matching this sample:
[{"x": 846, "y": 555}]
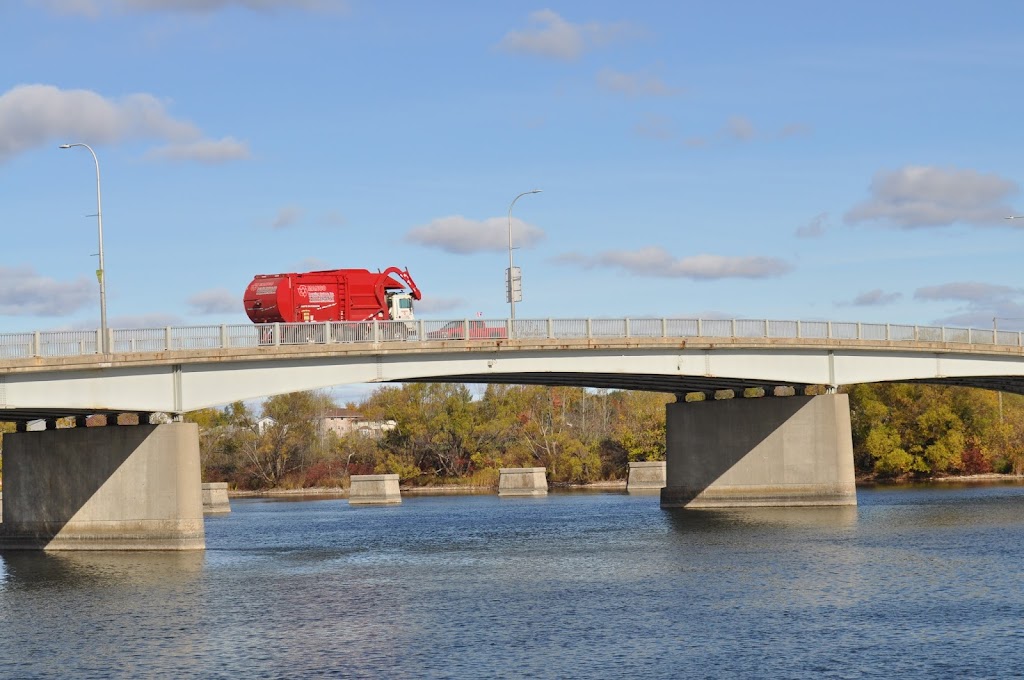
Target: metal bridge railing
[{"x": 184, "y": 338}]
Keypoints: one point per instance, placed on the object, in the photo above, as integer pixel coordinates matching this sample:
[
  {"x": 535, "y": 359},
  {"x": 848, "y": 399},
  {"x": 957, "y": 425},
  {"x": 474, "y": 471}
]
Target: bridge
[
  {"x": 176, "y": 370},
  {"x": 770, "y": 451}
]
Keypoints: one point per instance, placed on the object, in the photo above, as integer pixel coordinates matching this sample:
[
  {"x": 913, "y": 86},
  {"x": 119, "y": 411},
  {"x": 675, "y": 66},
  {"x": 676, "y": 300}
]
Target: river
[{"x": 923, "y": 581}]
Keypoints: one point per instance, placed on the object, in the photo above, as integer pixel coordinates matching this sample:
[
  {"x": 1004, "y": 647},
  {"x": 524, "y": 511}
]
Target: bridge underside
[{"x": 672, "y": 384}]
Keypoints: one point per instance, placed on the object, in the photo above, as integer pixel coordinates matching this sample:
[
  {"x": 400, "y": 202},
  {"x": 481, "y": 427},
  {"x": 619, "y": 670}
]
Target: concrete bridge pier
[
  {"x": 103, "y": 488},
  {"x": 771, "y": 451}
]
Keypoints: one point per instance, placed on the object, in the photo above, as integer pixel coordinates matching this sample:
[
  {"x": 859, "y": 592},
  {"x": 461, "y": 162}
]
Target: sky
[{"x": 852, "y": 161}]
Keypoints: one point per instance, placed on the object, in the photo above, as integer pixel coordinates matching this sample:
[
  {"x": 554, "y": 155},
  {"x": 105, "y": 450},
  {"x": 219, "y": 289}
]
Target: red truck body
[{"x": 332, "y": 295}]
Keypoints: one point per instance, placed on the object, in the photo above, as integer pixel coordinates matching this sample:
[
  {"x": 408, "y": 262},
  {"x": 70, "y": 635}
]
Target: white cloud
[
  {"x": 968, "y": 291},
  {"x": 981, "y": 302},
  {"x": 85, "y": 8},
  {"x": 216, "y": 301},
  {"x": 94, "y": 8},
  {"x": 460, "y": 235},
  {"x": 205, "y": 151},
  {"x": 655, "y": 261},
  {"x": 33, "y": 116},
  {"x": 814, "y": 228},
  {"x": 214, "y": 5},
  {"x": 874, "y": 298},
  {"x": 287, "y": 217},
  {"x": 740, "y": 128},
  {"x": 634, "y": 84},
  {"x": 919, "y": 196},
  {"x": 23, "y": 292},
  {"x": 38, "y": 115},
  {"x": 552, "y": 36}
]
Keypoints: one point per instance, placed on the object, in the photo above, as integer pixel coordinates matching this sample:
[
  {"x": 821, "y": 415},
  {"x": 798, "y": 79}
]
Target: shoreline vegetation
[
  {"x": 447, "y": 438},
  {"x": 612, "y": 485},
  {"x": 451, "y": 438}
]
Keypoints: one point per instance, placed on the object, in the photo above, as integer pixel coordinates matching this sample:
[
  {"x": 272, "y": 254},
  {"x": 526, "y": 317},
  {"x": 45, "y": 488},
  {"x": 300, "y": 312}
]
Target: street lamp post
[
  {"x": 511, "y": 269},
  {"x": 100, "y": 273}
]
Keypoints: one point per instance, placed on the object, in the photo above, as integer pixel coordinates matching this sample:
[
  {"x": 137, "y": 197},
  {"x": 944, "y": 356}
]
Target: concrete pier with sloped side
[
  {"x": 215, "y": 498},
  {"x": 131, "y": 487},
  {"x": 646, "y": 476},
  {"x": 531, "y": 481},
  {"x": 374, "y": 490},
  {"x": 772, "y": 451}
]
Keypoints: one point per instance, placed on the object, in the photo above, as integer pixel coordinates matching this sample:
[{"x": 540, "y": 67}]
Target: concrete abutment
[
  {"x": 776, "y": 451},
  {"x": 531, "y": 481},
  {"x": 103, "y": 488}
]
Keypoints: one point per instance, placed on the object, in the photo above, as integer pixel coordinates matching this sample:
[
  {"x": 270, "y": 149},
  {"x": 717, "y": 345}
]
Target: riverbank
[
  {"x": 610, "y": 485},
  {"x": 444, "y": 489}
]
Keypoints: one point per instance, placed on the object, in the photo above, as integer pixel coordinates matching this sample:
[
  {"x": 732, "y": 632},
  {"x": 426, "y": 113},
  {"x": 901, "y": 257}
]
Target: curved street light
[
  {"x": 511, "y": 268},
  {"x": 100, "y": 274}
]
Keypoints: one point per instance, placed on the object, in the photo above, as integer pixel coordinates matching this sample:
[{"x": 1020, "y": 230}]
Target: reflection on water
[{"x": 921, "y": 582}]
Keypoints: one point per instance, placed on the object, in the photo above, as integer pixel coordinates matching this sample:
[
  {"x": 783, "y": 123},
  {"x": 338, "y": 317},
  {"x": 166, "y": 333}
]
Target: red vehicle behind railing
[{"x": 472, "y": 330}]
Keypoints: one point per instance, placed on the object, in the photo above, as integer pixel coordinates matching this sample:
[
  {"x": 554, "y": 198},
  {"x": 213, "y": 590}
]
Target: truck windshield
[{"x": 405, "y": 303}]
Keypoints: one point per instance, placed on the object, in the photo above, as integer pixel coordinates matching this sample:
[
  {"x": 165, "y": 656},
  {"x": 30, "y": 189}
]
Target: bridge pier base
[
  {"x": 778, "y": 451},
  {"x": 103, "y": 488}
]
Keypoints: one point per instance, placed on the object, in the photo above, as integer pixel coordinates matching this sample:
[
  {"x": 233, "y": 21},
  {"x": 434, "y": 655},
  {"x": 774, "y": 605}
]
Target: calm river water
[{"x": 915, "y": 582}]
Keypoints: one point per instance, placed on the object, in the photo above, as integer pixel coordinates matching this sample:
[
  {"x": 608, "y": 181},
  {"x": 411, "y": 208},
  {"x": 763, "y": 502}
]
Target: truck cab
[{"x": 400, "y": 306}]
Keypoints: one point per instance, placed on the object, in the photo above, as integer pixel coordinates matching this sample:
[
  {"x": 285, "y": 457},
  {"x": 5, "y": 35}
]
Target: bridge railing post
[
  {"x": 590, "y": 328},
  {"x": 99, "y": 341},
  {"x": 860, "y": 331},
  {"x": 766, "y": 334},
  {"x": 627, "y": 328},
  {"x": 970, "y": 339},
  {"x": 828, "y": 330},
  {"x": 167, "y": 338},
  {"x": 328, "y": 338},
  {"x": 419, "y": 331},
  {"x": 887, "y": 331},
  {"x": 551, "y": 328},
  {"x": 510, "y": 328},
  {"x": 376, "y": 331},
  {"x": 35, "y": 350},
  {"x": 224, "y": 341},
  {"x": 700, "y": 328},
  {"x": 733, "y": 328},
  {"x": 664, "y": 327},
  {"x": 277, "y": 334},
  {"x": 798, "y": 331}
]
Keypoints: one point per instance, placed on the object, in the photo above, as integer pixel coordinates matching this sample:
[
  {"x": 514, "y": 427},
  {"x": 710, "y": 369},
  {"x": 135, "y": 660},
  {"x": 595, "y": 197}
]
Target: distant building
[
  {"x": 343, "y": 421},
  {"x": 264, "y": 423}
]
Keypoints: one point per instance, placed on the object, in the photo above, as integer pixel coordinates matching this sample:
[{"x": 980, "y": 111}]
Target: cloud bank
[
  {"x": 916, "y": 197},
  {"x": 95, "y": 8},
  {"x": 552, "y": 37},
  {"x": 33, "y": 116},
  {"x": 657, "y": 262},
  {"x": 462, "y": 236},
  {"x": 215, "y": 301},
  {"x": 23, "y": 292}
]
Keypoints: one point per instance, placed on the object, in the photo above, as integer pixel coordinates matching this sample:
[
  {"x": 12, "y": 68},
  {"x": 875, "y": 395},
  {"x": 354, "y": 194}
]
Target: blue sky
[{"x": 792, "y": 160}]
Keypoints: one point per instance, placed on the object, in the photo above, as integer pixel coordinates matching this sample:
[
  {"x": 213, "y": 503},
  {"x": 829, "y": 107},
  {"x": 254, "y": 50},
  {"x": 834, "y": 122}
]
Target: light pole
[
  {"x": 100, "y": 273},
  {"x": 511, "y": 268}
]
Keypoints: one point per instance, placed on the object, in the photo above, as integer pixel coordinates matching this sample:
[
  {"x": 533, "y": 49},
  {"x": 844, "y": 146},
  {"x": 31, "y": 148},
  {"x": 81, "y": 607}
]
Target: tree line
[{"x": 449, "y": 434}]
